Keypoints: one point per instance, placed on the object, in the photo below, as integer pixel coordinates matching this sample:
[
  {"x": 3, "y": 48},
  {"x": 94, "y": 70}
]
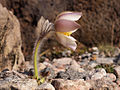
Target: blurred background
[{"x": 100, "y": 23}]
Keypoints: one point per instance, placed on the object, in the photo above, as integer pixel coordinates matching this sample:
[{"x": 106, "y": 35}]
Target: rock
[
  {"x": 86, "y": 56},
  {"x": 41, "y": 66},
  {"x": 108, "y": 54},
  {"x": 79, "y": 84},
  {"x": 12, "y": 80},
  {"x": 95, "y": 51},
  {"x": 110, "y": 76},
  {"x": 117, "y": 88},
  {"x": 66, "y": 53},
  {"x": 9, "y": 75},
  {"x": 117, "y": 71},
  {"x": 118, "y": 81},
  {"x": 62, "y": 62},
  {"x": 103, "y": 84},
  {"x": 72, "y": 74},
  {"x": 92, "y": 64},
  {"x": 107, "y": 82},
  {"x": 45, "y": 86},
  {"x": 56, "y": 69},
  {"x": 102, "y": 54},
  {"x": 116, "y": 52},
  {"x": 117, "y": 60},
  {"x": 48, "y": 73},
  {"x": 29, "y": 65},
  {"x": 18, "y": 84},
  {"x": 11, "y": 56},
  {"x": 62, "y": 75},
  {"x": 47, "y": 64},
  {"x": 94, "y": 57},
  {"x": 75, "y": 66},
  {"x": 99, "y": 73},
  {"x": 84, "y": 63},
  {"x": 105, "y": 60}
]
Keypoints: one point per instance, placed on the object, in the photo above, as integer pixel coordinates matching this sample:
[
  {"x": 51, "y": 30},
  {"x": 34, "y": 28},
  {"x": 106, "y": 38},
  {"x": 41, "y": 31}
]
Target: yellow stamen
[{"x": 66, "y": 33}]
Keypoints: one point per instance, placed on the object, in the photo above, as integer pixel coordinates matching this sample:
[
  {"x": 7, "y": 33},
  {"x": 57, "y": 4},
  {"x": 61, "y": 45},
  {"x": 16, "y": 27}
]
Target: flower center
[{"x": 66, "y": 33}]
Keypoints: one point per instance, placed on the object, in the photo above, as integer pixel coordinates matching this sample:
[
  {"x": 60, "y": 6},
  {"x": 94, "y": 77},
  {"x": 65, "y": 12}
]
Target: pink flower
[{"x": 65, "y": 25}]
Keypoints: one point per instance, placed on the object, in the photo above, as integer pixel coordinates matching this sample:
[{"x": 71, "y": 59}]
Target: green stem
[
  {"x": 35, "y": 60},
  {"x": 38, "y": 46}
]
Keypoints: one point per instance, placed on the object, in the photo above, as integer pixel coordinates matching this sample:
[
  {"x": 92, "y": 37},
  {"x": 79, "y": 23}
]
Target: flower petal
[
  {"x": 66, "y": 41},
  {"x": 70, "y": 37},
  {"x": 73, "y": 16},
  {"x": 66, "y": 25},
  {"x": 74, "y": 31}
]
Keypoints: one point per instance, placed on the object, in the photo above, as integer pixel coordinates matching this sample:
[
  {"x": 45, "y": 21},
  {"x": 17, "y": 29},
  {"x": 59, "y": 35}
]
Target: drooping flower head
[{"x": 65, "y": 25}]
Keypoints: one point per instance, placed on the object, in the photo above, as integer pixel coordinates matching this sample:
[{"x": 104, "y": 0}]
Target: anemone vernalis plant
[{"x": 64, "y": 25}]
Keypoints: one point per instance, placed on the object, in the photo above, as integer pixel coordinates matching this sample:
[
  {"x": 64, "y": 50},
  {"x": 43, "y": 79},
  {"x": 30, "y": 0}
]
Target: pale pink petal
[
  {"x": 74, "y": 30},
  {"x": 66, "y": 41},
  {"x": 65, "y": 12},
  {"x": 73, "y": 16},
  {"x": 66, "y": 25}
]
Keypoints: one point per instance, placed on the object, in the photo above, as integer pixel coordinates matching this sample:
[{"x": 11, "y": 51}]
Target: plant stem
[
  {"x": 35, "y": 60},
  {"x": 38, "y": 47},
  {"x": 44, "y": 52}
]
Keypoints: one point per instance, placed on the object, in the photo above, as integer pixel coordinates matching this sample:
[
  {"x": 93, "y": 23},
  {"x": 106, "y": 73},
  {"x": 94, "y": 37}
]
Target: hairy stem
[
  {"x": 37, "y": 49},
  {"x": 35, "y": 60}
]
